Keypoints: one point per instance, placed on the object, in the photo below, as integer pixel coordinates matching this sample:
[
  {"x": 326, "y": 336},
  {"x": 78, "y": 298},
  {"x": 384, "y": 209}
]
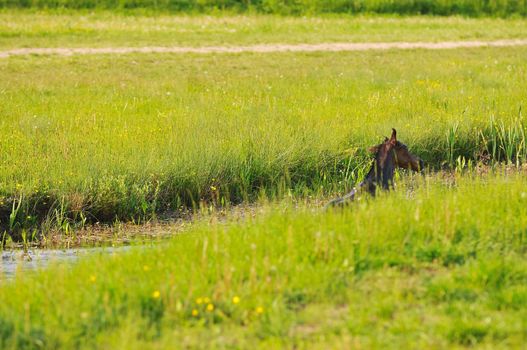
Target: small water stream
[{"x": 17, "y": 261}]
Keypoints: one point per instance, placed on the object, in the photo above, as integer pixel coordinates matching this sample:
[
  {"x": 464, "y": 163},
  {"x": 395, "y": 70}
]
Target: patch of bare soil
[{"x": 264, "y": 48}]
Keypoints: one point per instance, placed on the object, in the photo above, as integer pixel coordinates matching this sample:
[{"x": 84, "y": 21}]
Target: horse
[{"x": 388, "y": 155}]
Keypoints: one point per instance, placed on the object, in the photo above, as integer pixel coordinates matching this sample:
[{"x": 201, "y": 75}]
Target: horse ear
[{"x": 393, "y": 139}]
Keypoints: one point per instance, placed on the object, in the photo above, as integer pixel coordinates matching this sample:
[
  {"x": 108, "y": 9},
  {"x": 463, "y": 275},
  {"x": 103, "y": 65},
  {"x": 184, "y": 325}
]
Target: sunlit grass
[
  {"x": 438, "y": 263},
  {"x": 89, "y": 139},
  {"x": 20, "y": 29}
]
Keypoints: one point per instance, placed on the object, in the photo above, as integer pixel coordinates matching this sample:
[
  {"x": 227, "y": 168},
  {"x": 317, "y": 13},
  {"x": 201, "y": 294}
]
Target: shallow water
[{"x": 17, "y": 261}]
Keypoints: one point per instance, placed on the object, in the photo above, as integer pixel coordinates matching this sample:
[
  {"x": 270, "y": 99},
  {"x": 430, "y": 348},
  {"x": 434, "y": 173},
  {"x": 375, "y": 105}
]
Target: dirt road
[{"x": 264, "y": 48}]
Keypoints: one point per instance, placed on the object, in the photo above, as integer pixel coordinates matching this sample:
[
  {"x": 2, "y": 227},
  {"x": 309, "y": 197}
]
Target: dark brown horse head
[
  {"x": 402, "y": 156},
  {"x": 406, "y": 160}
]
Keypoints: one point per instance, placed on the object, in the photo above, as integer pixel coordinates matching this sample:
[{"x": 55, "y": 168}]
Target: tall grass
[
  {"x": 506, "y": 142},
  {"x": 102, "y": 138},
  {"x": 439, "y": 263},
  {"x": 434, "y": 7}
]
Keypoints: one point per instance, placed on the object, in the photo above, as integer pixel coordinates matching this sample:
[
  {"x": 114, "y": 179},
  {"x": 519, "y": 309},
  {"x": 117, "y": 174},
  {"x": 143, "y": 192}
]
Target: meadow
[
  {"x": 20, "y": 29},
  {"x": 143, "y": 138},
  {"x": 105, "y": 138},
  {"x": 439, "y": 263}
]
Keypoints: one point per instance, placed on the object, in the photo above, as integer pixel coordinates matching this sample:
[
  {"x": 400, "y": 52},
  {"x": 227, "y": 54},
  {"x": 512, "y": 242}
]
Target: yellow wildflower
[
  {"x": 210, "y": 308},
  {"x": 195, "y": 313},
  {"x": 199, "y": 301},
  {"x": 259, "y": 310},
  {"x": 156, "y": 294},
  {"x": 235, "y": 300}
]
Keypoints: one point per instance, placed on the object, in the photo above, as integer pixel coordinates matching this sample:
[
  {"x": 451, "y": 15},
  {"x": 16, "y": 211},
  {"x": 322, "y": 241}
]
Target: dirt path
[{"x": 263, "y": 48}]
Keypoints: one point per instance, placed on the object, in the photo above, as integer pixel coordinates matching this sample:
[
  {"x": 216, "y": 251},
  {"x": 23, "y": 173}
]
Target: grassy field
[
  {"x": 102, "y": 28},
  {"x": 100, "y": 138},
  {"x": 439, "y": 263}
]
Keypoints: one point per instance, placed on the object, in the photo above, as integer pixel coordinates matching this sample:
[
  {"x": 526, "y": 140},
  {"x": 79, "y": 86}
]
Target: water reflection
[{"x": 17, "y": 261}]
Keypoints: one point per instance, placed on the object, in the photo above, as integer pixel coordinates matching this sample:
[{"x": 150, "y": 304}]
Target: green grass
[
  {"x": 105, "y": 137},
  {"x": 102, "y": 28},
  {"x": 438, "y": 263},
  {"x": 437, "y": 7}
]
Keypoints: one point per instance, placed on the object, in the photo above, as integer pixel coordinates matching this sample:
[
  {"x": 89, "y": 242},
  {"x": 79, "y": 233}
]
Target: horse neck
[
  {"x": 388, "y": 171},
  {"x": 381, "y": 175}
]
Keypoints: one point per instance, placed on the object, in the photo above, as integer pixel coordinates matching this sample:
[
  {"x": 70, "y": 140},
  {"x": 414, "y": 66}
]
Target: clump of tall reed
[{"x": 505, "y": 141}]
